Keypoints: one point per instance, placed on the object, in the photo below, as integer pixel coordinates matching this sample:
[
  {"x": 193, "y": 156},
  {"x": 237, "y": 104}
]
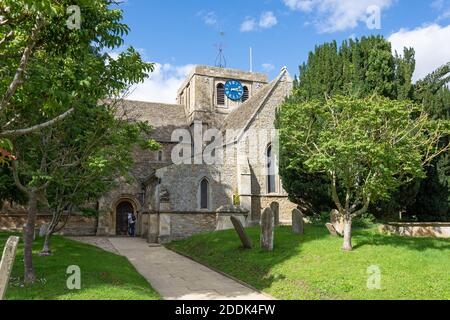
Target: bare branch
[
  {"x": 23, "y": 64},
  {"x": 21, "y": 132}
]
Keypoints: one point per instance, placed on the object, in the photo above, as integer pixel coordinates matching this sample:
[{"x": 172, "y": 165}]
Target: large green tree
[
  {"x": 357, "y": 68},
  {"x": 84, "y": 156},
  {"x": 50, "y": 70},
  {"x": 361, "y": 68},
  {"x": 367, "y": 147}
]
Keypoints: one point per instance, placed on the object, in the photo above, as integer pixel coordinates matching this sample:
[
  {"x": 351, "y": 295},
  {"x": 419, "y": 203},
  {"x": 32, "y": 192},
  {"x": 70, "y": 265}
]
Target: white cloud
[
  {"x": 268, "y": 67},
  {"x": 248, "y": 25},
  {"x": 162, "y": 85},
  {"x": 431, "y": 44},
  {"x": 337, "y": 15},
  {"x": 267, "y": 20},
  {"x": 209, "y": 18}
]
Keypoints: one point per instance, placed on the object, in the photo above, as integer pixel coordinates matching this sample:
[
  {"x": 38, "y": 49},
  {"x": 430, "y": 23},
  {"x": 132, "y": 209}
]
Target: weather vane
[{"x": 221, "y": 62}]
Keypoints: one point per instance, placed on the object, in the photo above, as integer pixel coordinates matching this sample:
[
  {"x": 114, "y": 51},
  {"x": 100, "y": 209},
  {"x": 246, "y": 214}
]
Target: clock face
[{"x": 234, "y": 90}]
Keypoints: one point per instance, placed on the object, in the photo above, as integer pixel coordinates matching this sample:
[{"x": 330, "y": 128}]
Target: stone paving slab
[
  {"x": 178, "y": 278},
  {"x": 101, "y": 242}
]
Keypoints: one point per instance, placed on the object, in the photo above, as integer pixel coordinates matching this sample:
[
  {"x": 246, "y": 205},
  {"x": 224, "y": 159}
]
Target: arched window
[
  {"x": 245, "y": 96},
  {"x": 204, "y": 194},
  {"x": 271, "y": 185},
  {"x": 160, "y": 156},
  {"x": 220, "y": 94}
]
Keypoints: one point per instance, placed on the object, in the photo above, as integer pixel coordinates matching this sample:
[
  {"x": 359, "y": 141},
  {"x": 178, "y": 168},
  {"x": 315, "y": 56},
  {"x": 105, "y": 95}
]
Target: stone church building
[{"x": 176, "y": 200}]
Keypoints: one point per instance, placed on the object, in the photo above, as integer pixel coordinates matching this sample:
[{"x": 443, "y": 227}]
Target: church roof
[
  {"x": 164, "y": 118},
  {"x": 240, "y": 118}
]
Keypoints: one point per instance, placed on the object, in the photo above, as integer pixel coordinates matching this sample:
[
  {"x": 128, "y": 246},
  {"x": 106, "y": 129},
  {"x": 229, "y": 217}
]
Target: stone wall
[
  {"x": 186, "y": 225},
  {"x": 259, "y": 203},
  {"x": 77, "y": 225},
  {"x": 183, "y": 181},
  {"x": 169, "y": 226},
  {"x": 435, "y": 230}
]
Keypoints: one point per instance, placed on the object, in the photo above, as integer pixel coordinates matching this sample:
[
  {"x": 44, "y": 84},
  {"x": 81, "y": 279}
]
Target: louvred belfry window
[
  {"x": 246, "y": 94},
  {"x": 220, "y": 94}
]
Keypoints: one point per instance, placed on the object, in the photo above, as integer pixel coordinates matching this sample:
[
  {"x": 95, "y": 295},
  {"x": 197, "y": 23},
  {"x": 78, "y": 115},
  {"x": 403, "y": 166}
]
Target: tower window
[
  {"x": 160, "y": 156},
  {"x": 245, "y": 96},
  {"x": 220, "y": 94},
  {"x": 204, "y": 194}
]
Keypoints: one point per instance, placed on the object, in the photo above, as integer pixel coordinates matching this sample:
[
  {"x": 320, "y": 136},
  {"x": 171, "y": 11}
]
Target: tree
[
  {"x": 48, "y": 72},
  {"x": 100, "y": 151},
  {"x": 368, "y": 147},
  {"x": 433, "y": 196},
  {"x": 358, "y": 68}
]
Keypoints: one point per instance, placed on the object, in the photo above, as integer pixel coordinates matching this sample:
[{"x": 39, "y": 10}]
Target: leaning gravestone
[
  {"x": 6, "y": 264},
  {"x": 297, "y": 222},
  {"x": 267, "y": 229},
  {"x": 332, "y": 230},
  {"x": 246, "y": 241},
  {"x": 275, "y": 207},
  {"x": 337, "y": 221}
]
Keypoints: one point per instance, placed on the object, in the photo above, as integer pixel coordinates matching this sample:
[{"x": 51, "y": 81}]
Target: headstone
[
  {"x": 6, "y": 264},
  {"x": 337, "y": 221},
  {"x": 267, "y": 229},
  {"x": 297, "y": 222},
  {"x": 275, "y": 207},
  {"x": 43, "y": 230},
  {"x": 332, "y": 230},
  {"x": 246, "y": 241}
]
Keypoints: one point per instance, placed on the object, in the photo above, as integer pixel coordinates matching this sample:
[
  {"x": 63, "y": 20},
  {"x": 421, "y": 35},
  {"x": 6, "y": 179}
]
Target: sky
[{"x": 178, "y": 34}]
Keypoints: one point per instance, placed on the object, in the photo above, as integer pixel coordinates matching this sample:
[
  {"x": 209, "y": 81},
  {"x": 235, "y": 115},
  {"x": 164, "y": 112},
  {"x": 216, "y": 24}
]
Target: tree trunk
[
  {"x": 347, "y": 233},
  {"x": 46, "y": 248},
  {"x": 30, "y": 276}
]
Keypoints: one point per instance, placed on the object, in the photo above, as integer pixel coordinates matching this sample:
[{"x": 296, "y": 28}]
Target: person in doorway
[{"x": 131, "y": 224}]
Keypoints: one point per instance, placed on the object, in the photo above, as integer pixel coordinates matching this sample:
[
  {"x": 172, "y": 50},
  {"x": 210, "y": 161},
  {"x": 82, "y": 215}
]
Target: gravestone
[
  {"x": 332, "y": 230},
  {"x": 337, "y": 221},
  {"x": 275, "y": 207},
  {"x": 267, "y": 229},
  {"x": 246, "y": 241},
  {"x": 297, "y": 222},
  {"x": 6, "y": 264},
  {"x": 43, "y": 230}
]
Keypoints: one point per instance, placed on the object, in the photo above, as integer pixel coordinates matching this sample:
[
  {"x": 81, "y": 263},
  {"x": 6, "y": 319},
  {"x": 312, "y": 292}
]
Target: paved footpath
[{"x": 178, "y": 278}]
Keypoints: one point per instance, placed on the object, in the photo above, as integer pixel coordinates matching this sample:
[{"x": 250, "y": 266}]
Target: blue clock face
[{"x": 234, "y": 90}]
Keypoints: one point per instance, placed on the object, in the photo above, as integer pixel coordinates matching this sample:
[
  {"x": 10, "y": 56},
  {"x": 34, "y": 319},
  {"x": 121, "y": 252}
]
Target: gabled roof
[
  {"x": 240, "y": 118},
  {"x": 164, "y": 118}
]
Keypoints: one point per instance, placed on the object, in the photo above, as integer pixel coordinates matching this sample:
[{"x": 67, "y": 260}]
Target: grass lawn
[
  {"x": 314, "y": 267},
  {"x": 104, "y": 276}
]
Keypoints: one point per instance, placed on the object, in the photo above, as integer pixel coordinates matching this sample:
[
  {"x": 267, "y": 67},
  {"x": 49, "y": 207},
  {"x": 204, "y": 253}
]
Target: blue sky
[{"x": 177, "y": 34}]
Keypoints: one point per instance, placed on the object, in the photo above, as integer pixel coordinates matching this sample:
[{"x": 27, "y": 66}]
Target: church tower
[{"x": 207, "y": 97}]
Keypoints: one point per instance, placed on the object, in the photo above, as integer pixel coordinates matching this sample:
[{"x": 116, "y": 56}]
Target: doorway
[{"x": 122, "y": 210}]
